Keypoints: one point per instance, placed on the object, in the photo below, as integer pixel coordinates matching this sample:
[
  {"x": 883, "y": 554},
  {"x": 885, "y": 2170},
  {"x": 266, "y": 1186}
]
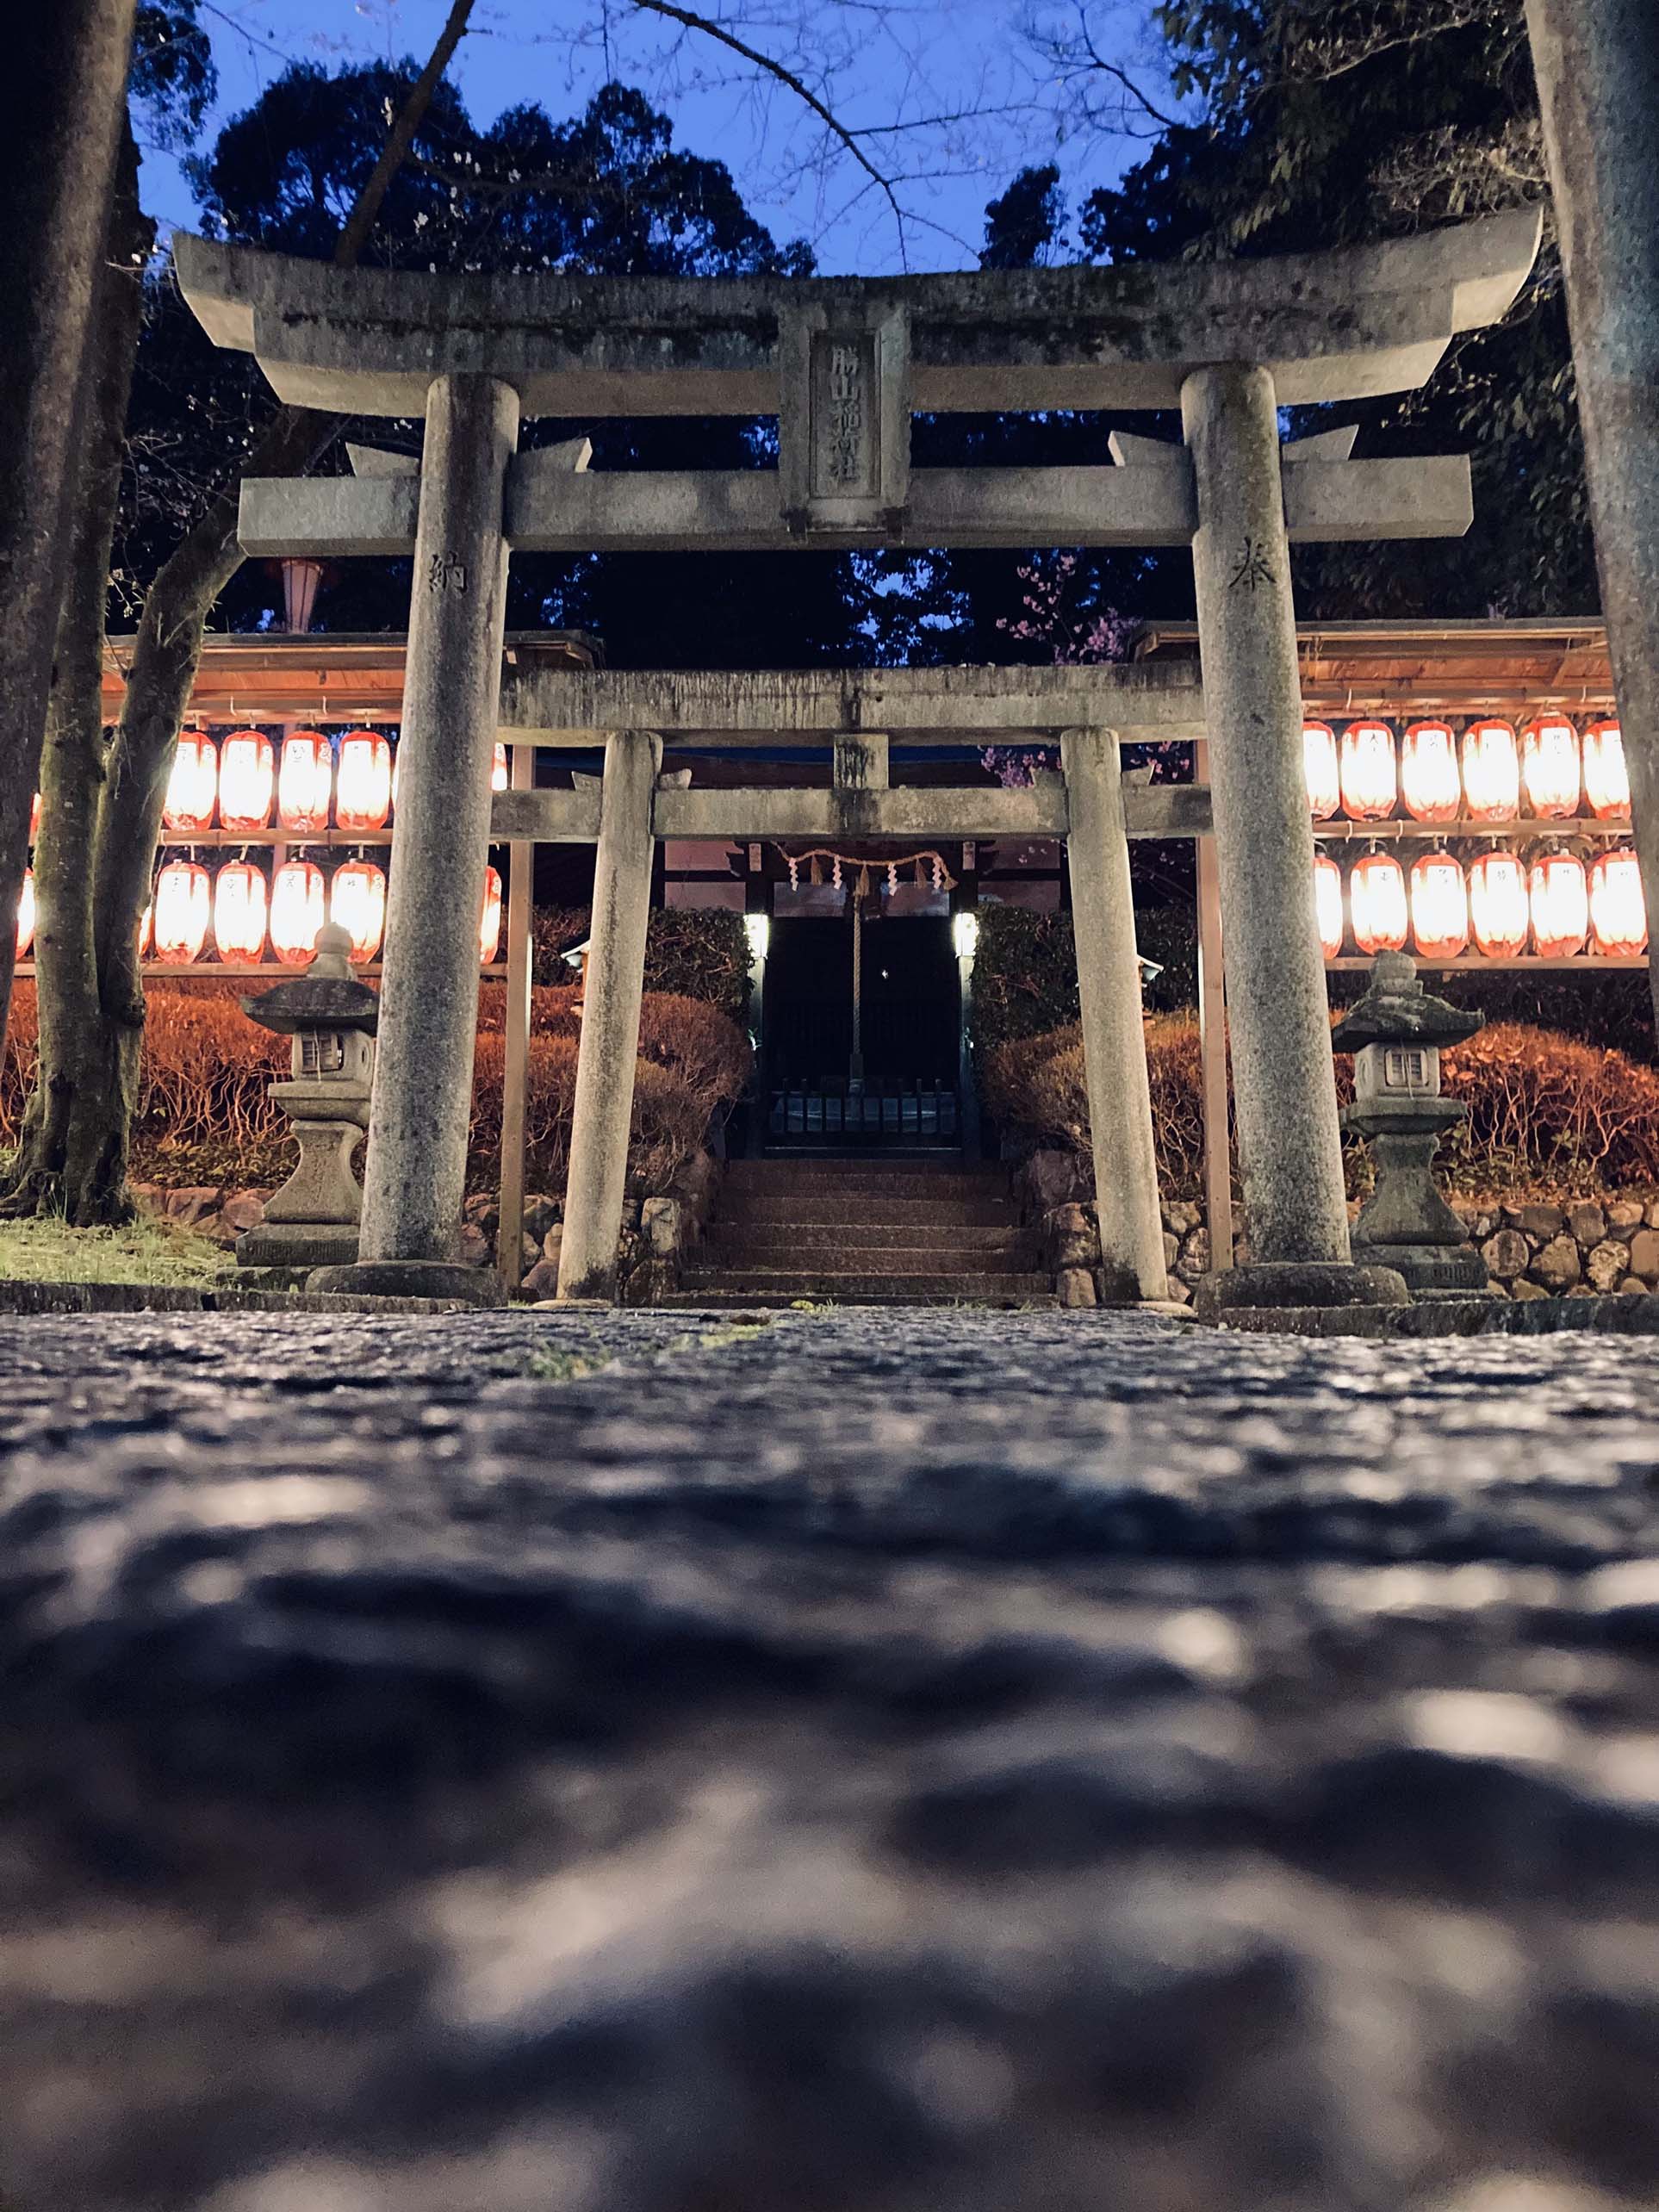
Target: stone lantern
[
  {"x": 312, "y": 1220},
  {"x": 1395, "y": 1032}
]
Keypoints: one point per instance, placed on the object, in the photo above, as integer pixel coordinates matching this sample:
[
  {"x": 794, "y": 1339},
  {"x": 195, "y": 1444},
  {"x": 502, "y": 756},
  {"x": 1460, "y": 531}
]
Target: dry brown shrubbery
[
  {"x": 1037, "y": 1083},
  {"x": 203, "y": 1113},
  {"x": 1545, "y": 1111}
]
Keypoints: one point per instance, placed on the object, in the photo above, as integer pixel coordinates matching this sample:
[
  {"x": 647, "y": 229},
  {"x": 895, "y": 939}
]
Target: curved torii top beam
[{"x": 1330, "y": 326}]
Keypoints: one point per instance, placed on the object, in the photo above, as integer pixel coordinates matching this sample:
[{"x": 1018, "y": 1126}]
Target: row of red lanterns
[
  {"x": 242, "y": 778},
  {"x": 240, "y": 913},
  {"x": 1498, "y": 902},
  {"x": 1482, "y": 776}
]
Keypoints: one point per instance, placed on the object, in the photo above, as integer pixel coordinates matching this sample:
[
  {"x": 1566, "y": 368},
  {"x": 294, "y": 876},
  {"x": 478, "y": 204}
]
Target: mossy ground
[{"x": 48, "y": 1251}]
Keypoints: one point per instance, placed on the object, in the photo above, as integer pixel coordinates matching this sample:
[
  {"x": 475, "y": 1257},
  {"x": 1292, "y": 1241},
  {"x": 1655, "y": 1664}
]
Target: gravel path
[{"x": 877, "y": 1762}]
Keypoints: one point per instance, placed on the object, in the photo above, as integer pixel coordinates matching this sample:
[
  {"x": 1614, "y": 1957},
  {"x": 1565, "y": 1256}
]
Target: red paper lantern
[
  {"x": 1619, "y": 912},
  {"x": 1491, "y": 771},
  {"x": 26, "y": 915},
  {"x": 363, "y": 793},
  {"x": 497, "y": 768},
  {"x": 1369, "y": 780},
  {"x": 1328, "y": 904},
  {"x": 305, "y": 781},
  {"x": 1319, "y": 764},
  {"x": 183, "y": 903},
  {"x": 1429, "y": 782},
  {"x": 247, "y": 780},
  {"x": 1439, "y": 908},
  {"x": 1376, "y": 899},
  {"x": 34, "y": 817},
  {"x": 357, "y": 901},
  {"x": 1551, "y": 769},
  {"x": 190, "y": 787},
  {"x": 296, "y": 912},
  {"x": 1606, "y": 781},
  {"x": 489, "y": 920},
  {"x": 1498, "y": 912},
  {"x": 1560, "y": 900},
  {"x": 240, "y": 902}
]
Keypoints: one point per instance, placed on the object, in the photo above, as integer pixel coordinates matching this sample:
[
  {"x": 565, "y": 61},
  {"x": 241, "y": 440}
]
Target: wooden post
[
  {"x": 1212, "y": 1041},
  {"x": 515, "y": 1076}
]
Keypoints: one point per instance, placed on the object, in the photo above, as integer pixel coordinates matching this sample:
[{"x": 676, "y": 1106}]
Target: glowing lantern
[
  {"x": 1606, "y": 784},
  {"x": 1619, "y": 913},
  {"x": 1377, "y": 894},
  {"x": 1497, "y": 905},
  {"x": 1429, "y": 782},
  {"x": 1439, "y": 908},
  {"x": 1551, "y": 772},
  {"x": 1370, "y": 781},
  {"x": 26, "y": 915},
  {"x": 362, "y": 794},
  {"x": 1561, "y": 905},
  {"x": 296, "y": 912},
  {"x": 182, "y": 902},
  {"x": 304, "y": 780},
  {"x": 247, "y": 779},
  {"x": 1491, "y": 771},
  {"x": 357, "y": 901},
  {"x": 190, "y": 787},
  {"x": 238, "y": 911},
  {"x": 146, "y": 926},
  {"x": 35, "y": 818},
  {"x": 1328, "y": 904},
  {"x": 489, "y": 920},
  {"x": 1319, "y": 762},
  {"x": 497, "y": 768}
]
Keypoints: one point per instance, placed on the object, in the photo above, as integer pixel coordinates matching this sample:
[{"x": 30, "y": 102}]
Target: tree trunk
[
  {"x": 61, "y": 98},
  {"x": 1597, "y": 63},
  {"x": 78, "y": 1126},
  {"x": 52, "y": 1172}
]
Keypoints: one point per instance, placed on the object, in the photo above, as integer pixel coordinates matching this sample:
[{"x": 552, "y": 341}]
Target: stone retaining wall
[{"x": 1591, "y": 1248}]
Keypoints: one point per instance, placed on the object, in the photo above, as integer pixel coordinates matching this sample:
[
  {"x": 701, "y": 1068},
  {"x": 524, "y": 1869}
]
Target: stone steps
[
  {"x": 865, "y": 1287},
  {"x": 746, "y": 1235},
  {"x": 832, "y": 1211},
  {"x": 859, "y": 1232}
]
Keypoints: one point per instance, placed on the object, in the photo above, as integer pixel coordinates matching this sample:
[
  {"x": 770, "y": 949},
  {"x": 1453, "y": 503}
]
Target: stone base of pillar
[
  {"x": 411, "y": 1278},
  {"x": 1298, "y": 1282},
  {"x": 298, "y": 1244},
  {"x": 1431, "y": 1270}
]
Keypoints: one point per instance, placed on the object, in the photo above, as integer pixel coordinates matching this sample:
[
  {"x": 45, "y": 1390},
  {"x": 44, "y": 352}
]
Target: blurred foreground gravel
[{"x": 875, "y": 1762}]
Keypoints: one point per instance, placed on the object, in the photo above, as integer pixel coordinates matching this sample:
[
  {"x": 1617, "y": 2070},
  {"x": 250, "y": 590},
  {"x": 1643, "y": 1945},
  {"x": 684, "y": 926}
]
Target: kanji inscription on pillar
[
  {"x": 446, "y": 572},
  {"x": 846, "y": 429}
]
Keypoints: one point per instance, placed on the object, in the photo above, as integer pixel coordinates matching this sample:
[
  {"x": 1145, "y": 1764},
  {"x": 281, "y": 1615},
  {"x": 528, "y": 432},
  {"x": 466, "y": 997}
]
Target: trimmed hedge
[
  {"x": 204, "y": 1114},
  {"x": 1547, "y": 1113},
  {"x": 1025, "y": 972},
  {"x": 690, "y": 952}
]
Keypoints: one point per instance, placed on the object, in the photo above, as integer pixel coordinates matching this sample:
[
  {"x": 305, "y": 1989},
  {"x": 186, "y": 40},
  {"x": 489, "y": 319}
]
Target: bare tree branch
[
  {"x": 803, "y": 91},
  {"x": 361, "y": 221}
]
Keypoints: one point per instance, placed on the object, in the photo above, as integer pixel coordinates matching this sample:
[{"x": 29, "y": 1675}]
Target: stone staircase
[{"x": 862, "y": 1232}]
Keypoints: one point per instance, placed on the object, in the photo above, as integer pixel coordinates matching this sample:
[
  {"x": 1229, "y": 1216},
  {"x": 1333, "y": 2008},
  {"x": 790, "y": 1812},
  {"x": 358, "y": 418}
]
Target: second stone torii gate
[
  {"x": 844, "y": 363},
  {"x": 1087, "y": 713}
]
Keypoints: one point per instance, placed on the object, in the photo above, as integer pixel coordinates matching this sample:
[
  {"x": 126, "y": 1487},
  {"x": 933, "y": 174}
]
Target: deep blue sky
[{"x": 915, "y": 59}]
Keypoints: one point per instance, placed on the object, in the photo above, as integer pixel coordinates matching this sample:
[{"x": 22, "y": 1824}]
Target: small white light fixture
[
  {"x": 757, "y": 928},
  {"x": 965, "y": 932}
]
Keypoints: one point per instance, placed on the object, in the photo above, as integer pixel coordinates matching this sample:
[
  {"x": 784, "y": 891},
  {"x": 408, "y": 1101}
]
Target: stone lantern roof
[
  {"x": 327, "y": 996},
  {"x": 1397, "y": 1010}
]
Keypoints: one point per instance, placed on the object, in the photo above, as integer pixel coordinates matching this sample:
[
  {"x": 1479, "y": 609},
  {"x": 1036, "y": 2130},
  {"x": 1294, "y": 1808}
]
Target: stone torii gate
[{"x": 844, "y": 363}]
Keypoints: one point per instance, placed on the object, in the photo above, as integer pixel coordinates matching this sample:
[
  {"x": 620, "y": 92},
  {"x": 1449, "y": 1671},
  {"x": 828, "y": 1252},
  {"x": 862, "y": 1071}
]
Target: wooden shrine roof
[
  {"x": 321, "y": 677},
  {"x": 1412, "y": 667}
]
